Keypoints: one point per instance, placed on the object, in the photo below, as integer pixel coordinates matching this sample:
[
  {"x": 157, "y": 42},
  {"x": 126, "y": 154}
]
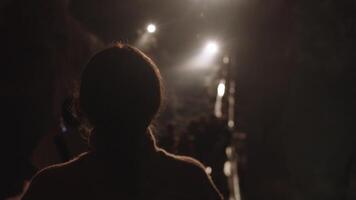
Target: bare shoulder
[
  {"x": 47, "y": 181},
  {"x": 58, "y": 170},
  {"x": 184, "y": 164},
  {"x": 194, "y": 175}
]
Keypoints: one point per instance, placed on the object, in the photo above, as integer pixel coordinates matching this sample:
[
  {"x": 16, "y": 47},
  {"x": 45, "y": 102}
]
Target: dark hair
[{"x": 120, "y": 94}]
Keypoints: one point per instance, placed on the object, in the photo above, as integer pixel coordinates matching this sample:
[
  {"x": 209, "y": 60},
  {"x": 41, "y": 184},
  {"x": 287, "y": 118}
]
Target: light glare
[
  {"x": 211, "y": 48},
  {"x": 226, "y": 60},
  {"x": 151, "y": 28},
  {"x": 221, "y": 89},
  {"x": 227, "y": 168}
]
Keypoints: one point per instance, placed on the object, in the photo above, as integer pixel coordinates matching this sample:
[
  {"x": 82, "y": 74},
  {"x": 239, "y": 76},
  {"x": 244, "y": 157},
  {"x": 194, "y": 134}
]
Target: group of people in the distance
[{"x": 120, "y": 94}]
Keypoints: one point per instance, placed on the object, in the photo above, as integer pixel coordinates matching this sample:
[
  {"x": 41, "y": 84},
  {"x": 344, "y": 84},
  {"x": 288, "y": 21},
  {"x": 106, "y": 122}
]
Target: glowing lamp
[{"x": 151, "y": 28}]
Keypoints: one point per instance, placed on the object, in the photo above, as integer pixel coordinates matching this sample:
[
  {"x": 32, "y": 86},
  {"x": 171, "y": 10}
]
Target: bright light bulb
[
  {"x": 151, "y": 28},
  {"x": 221, "y": 89},
  {"x": 211, "y": 48}
]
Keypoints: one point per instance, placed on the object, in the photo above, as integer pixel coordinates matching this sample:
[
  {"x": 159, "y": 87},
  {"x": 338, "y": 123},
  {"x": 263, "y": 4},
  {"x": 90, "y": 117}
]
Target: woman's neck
[{"x": 129, "y": 143}]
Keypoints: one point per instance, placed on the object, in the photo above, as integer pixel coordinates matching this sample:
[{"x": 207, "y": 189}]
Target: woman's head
[{"x": 121, "y": 91}]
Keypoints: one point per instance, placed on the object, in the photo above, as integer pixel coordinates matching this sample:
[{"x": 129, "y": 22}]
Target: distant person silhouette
[{"x": 120, "y": 94}]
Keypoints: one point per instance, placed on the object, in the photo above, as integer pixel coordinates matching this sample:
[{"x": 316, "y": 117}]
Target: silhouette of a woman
[{"x": 120, "y": 94}]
